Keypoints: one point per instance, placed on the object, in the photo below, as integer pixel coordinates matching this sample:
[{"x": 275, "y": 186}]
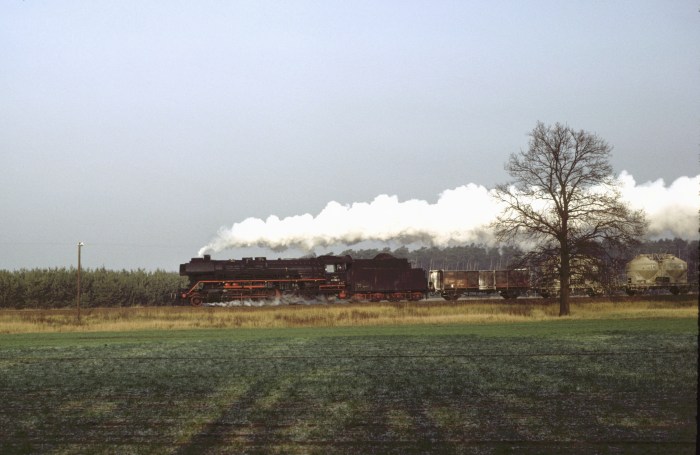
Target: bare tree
[{"x": 564, "y": 201}]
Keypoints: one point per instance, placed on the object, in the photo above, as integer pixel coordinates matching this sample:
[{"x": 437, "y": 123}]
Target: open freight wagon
[{"x": 451, "y": 284}]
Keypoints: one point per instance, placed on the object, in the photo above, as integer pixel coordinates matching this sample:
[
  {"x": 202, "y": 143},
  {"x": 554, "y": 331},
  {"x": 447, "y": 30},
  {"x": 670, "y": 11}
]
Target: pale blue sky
[{"x": 141, "y": 127}]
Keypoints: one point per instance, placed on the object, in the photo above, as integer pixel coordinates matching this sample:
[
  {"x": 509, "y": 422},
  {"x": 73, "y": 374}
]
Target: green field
[{"x": 563, "y": 386}]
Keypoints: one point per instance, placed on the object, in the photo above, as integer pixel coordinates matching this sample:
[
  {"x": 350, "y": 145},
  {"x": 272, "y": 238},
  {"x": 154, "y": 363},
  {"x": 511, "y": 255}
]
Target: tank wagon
[
  {"x": 451, "y": 284},
  {"x": 654, "y": 272},
  {"x": 382, "y": 278}
]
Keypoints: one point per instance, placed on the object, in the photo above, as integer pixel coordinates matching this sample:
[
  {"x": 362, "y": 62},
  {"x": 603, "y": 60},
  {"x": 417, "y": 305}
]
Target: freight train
[{"x": 386, "y": 277}]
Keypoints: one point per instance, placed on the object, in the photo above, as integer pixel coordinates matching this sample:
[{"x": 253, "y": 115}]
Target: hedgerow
[{"x": 57, "y": 288}]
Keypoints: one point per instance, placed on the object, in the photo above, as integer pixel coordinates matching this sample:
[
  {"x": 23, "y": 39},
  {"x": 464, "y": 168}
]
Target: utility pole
[{"x": 80, "y": 245}]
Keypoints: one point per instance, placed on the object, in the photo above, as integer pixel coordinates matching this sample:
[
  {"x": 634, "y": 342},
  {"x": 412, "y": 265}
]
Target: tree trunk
[{"x": 564, "y": 279}]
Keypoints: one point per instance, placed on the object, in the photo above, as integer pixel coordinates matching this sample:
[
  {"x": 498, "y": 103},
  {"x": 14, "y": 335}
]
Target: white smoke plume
[
  {"x": 460, "y": 216},
  {"x": 672, "y": 211}
]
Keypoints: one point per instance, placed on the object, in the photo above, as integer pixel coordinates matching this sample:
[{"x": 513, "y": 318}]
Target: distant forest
[{"x": 56, "y": 287}]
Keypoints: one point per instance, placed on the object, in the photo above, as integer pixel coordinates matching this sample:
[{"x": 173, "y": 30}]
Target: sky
[{"x": 148, "y": 130}]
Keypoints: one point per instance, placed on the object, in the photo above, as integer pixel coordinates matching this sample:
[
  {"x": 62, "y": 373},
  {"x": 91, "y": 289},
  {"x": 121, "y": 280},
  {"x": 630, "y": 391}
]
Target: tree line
[{"x": 57, "y": 288}]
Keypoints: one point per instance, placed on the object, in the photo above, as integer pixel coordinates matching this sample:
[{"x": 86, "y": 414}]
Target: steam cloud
[
  {"x": 460, "y": 216},
  {"x": 672, "y": 211}
]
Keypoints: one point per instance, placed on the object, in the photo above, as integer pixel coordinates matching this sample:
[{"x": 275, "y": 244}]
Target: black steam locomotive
[{"x": 382, "y": 278}]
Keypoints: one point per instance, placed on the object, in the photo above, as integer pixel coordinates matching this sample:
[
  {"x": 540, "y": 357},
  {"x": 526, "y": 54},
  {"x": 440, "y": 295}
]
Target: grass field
[
  {"x": 621, "y": 383},
  {"x": 258, "y": 315}
]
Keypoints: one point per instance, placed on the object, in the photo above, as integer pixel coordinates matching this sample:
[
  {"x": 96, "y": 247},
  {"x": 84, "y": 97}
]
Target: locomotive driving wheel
[{"x": 196, "y": 300}]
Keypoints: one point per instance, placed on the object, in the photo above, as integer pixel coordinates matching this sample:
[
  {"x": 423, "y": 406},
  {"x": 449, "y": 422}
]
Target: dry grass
[{"x": 334, "y": 315}]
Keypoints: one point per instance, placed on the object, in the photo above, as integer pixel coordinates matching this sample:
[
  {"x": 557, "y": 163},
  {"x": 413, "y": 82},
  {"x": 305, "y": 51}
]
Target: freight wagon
[
  {"x": 451, "y": 284},
  {"x": 654, "y": 272}
]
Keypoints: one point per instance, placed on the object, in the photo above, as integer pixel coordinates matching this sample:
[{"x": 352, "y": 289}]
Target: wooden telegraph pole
[{"x": 80, "y": 245}]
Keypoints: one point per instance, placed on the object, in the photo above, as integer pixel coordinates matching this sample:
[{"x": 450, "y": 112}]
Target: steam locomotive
[
  {"x": 386, "y": 277},
  {"x": 382, "y": 278}
]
